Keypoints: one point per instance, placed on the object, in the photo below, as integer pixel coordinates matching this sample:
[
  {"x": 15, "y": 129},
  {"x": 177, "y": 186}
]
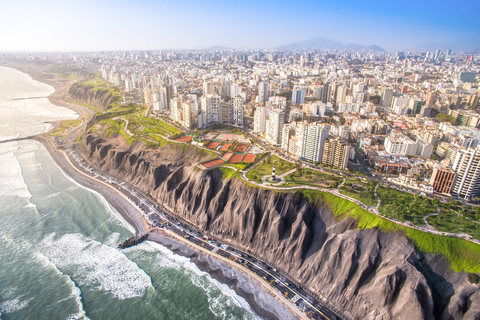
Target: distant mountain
[
  {"x": 353, "y": 47},
  {"x": 321, "y": 43},
  {"x": 375, "y": 48}
]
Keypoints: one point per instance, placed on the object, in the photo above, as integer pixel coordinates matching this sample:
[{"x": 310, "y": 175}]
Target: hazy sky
[{"x": 86, "y": 25}]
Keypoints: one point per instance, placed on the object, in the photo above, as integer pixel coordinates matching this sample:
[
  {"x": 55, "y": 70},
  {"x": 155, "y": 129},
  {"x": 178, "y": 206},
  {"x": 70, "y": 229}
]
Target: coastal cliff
[
  {"x": 369, "y": 273},
  {"x": 99, "y": 98}
]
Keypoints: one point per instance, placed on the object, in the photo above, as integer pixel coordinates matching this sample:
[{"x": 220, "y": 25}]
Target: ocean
[{"x": 58, "y": 254}]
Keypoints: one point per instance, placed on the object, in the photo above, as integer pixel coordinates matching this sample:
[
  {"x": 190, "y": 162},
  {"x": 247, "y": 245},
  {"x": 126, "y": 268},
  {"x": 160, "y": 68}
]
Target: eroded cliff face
[
  {"x": 368, "y": 273},
  {"x": 97, "y": 98}
]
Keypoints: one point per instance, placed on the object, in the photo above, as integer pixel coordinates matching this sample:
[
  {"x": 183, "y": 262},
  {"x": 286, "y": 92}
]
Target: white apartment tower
[
  {"x": 187, "y": 114},
  {"x": 236, "y": 111},
  {"x": 467, "y": 167},
  {"x": 211, "y": 106},
  {"x": 260, "y": 120},
  {"x": 263, "y": 91},
  {"x": 175, "y": 109},
  {"x": 314, "y": 139},
  {"x": 275, "y": 124}
]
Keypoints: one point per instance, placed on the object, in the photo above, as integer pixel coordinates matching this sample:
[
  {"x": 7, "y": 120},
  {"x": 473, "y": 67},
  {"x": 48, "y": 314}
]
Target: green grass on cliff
[
  {"x": 405, "y": 206},
  {"x": 464, "y": 256},
  {"x": 65, "y": 126},
  {"x": 230, "y": 173},
  {"x": 98, "y": 84}
]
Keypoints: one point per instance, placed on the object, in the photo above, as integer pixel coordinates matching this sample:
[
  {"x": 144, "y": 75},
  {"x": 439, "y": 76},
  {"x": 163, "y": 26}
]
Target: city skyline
[{"x": 148, "y": 25}]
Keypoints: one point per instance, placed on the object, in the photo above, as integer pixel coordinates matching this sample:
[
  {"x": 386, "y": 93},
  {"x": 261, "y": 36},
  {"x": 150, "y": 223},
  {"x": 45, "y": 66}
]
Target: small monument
[{"x": 273, "y": 174}]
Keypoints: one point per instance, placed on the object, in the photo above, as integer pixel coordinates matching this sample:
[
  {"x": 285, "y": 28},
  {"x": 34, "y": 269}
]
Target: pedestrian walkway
[{"x": 265, "y": 179}]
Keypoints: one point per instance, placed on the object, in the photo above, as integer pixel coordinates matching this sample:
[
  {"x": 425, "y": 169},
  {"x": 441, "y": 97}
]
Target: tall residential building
[
  {"x": 467, "y": 167},
  {"x": 442, "y": 179},
  {"x": 313, "y": 141},
  {"x": 432, "y": 98},
  {"x": 275, "y": 124},
  {"x": 160, "y": 101},
  {"x": 340, "y": 94},
  {"x": 300, "y": 139},
  {"x": 187, "y": 114},
  {"x": 336, "y": 153},
  {"x": 263, "y": 91},
  {"x": 236, "y": 111},
  {"x": 327, "y": 92},
  {"x": 386, "y": 97},
  {"x": 211, "y": 106},
  {"x": 298, "y": 96},
  {"x": 225, "y": 112},
  {"x": 260, "y": 120},
  {"x": 287, "y": 133},
  {"x": 175, "y": 109}
]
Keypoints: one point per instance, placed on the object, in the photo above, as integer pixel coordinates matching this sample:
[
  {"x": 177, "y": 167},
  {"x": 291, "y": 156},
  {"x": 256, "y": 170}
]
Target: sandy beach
[{"x": 263, "y": 299}]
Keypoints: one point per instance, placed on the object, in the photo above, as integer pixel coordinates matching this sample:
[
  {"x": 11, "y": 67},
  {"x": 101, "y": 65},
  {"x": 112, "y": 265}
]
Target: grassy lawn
[
  {"x": 360, "y": 191},
  {"x": 266, "y": 166},
  {"x": 449, "y": 221},
  {"x": 168, "y": 127},
  {"x": 229, "y": 173},
  {"x": 239, "y": 166},
  {"x": 463, "y": 255},
  {"x": 65, "y": 126},
  {"x": 115, "y": 127},
  {"x": 67, "y": 75},
  {"x": 404, "y": 206},
  {"x": 312, "y": 178}
]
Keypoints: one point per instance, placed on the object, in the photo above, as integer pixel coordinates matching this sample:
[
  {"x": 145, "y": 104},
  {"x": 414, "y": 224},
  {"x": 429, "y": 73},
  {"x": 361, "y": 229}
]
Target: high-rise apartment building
[
  {"x": 442, "y": 179},
  {"x": 298, "y": 96},
  {"x": 467, "y": 167},
  {"x": 287, "y": 133},
  {"x": 432, "y": 98},
  {"x": 211, "y": 106},
  {"x": 225, "y": 112},
  {"x": 176, "y": 109},
  {"x": 313, "y": 141},
  {"x": 336, "y": 153},
  {"x": 236, "y": 111},
  {"x": 386, "y": 97},
  {"x": 187, "y": 114},
  {"x": 263, "y": 92},
  {"x": 275, "y": 124},
  {"x": 260, "y": 120}
]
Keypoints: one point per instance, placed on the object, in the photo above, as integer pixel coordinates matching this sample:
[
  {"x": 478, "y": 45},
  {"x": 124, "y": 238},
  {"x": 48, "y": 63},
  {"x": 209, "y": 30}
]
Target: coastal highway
[{"x": 159, "y": 218}]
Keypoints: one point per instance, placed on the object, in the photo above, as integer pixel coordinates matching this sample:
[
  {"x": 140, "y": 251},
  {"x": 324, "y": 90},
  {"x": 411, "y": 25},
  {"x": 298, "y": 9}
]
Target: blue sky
[{"x": 87, "y": 25}]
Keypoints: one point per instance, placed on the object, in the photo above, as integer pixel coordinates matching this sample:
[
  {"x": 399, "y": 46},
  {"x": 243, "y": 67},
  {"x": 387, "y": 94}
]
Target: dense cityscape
[{"x": 412, "y": 116}]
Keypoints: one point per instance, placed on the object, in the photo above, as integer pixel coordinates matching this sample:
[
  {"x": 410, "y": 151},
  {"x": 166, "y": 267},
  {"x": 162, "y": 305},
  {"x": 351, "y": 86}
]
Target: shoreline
[{"x": 204, "y": 260}]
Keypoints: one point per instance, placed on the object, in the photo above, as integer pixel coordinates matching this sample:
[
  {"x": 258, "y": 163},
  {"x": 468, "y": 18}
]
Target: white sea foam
[
  {"x": 217, "y": 302},
  {"x": 96, "y": 265},
  {"x": 11, "y": 179},
  {"x": 112, "y": 240},
  {"x": 10, "y": 306},
  {"x": 76, "y": 293}
]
